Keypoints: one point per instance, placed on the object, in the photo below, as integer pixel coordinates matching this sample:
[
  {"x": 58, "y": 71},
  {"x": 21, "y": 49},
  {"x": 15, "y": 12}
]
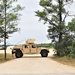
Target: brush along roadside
[
  {"x": 9, "y": 57},
  {"x": 65, "y": 60}
]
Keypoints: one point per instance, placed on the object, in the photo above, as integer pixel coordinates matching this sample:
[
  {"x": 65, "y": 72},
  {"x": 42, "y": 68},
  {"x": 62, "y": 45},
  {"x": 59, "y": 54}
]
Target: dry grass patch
[
  {"x": 65, "y": 60},
  {"x": 9, "y": 57}
]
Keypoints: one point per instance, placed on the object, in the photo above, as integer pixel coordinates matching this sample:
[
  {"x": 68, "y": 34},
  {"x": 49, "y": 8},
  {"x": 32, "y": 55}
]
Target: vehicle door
[
  {"x": 33, "y": 48},
  {"x": 26, "y": 49}
]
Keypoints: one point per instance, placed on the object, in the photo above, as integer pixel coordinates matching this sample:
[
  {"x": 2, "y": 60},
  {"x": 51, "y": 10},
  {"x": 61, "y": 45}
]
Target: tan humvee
[{"x": 29, "y": 48}]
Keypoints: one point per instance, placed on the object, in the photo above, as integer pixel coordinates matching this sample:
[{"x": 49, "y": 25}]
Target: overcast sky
[{"x": 29, "y": 24}]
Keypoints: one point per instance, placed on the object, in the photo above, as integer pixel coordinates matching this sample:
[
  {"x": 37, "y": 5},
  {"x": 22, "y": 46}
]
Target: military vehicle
[{"x": 29, "y": 48}]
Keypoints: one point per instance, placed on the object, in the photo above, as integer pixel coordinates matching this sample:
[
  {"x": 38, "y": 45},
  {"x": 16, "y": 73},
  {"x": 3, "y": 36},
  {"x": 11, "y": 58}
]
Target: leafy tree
[
  {"x": 55, "y": 14},
  {"x": 9, "y": 19},
  {"x": 12, "y": 17}
]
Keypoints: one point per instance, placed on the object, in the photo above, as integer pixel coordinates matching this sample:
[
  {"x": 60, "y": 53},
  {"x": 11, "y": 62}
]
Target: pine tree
[{"x": 12, "y": 17}]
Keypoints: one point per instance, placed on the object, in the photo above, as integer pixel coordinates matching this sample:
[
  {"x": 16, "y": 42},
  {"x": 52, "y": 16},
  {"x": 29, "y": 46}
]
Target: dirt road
[{"x": 35, "y": 65}]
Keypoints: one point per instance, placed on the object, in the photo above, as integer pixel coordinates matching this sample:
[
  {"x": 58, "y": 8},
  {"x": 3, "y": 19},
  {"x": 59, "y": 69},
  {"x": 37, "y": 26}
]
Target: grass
[
  {"x": 65, "y": 60},
  {"x": 9, "y": 57}
]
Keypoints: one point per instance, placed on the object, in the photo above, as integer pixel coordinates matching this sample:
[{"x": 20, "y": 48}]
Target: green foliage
[
  {"x": 41, "y": 14},
  {"x": 62, "y": 34},
  {"x": 54, "y": 15},
  {"x": 72, "y": 52},
  {"x": 12, "y": 17},
  {"x": 64, "y": 47},
  {"x": 71, "y": 25},
  {"x": 45, "y": 2}
]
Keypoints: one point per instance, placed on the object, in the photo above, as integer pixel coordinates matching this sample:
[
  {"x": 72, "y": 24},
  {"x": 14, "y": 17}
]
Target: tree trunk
[
  {"x": 60, "y": 19},
  {"x": 60, "y": 37},
  {"x": 60, "y": 11}
]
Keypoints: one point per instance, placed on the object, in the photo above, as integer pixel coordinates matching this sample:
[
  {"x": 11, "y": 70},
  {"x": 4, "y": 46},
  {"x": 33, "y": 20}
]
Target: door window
[
  {"x": 33, "y": 46},
  {"x": 26, "y": 46}
]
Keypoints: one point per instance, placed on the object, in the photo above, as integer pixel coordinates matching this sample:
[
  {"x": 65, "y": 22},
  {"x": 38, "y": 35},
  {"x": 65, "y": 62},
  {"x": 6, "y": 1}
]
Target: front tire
[{"x": 18, "y": 54}]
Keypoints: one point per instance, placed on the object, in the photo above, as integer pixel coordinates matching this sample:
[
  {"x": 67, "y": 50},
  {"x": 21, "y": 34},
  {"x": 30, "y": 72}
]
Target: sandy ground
[{"x": 8, "y": 50}]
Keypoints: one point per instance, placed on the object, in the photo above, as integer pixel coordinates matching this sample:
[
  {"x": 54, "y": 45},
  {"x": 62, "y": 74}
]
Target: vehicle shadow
[
  {"x": 34, "y": 57},
  {"x": 31, "y": 57}
]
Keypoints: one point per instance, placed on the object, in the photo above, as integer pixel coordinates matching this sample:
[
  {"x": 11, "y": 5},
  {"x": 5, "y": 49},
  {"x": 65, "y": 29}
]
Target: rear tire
[
  {"x": 18, "y": 54},
  {"x": 44, "y": 54}
]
